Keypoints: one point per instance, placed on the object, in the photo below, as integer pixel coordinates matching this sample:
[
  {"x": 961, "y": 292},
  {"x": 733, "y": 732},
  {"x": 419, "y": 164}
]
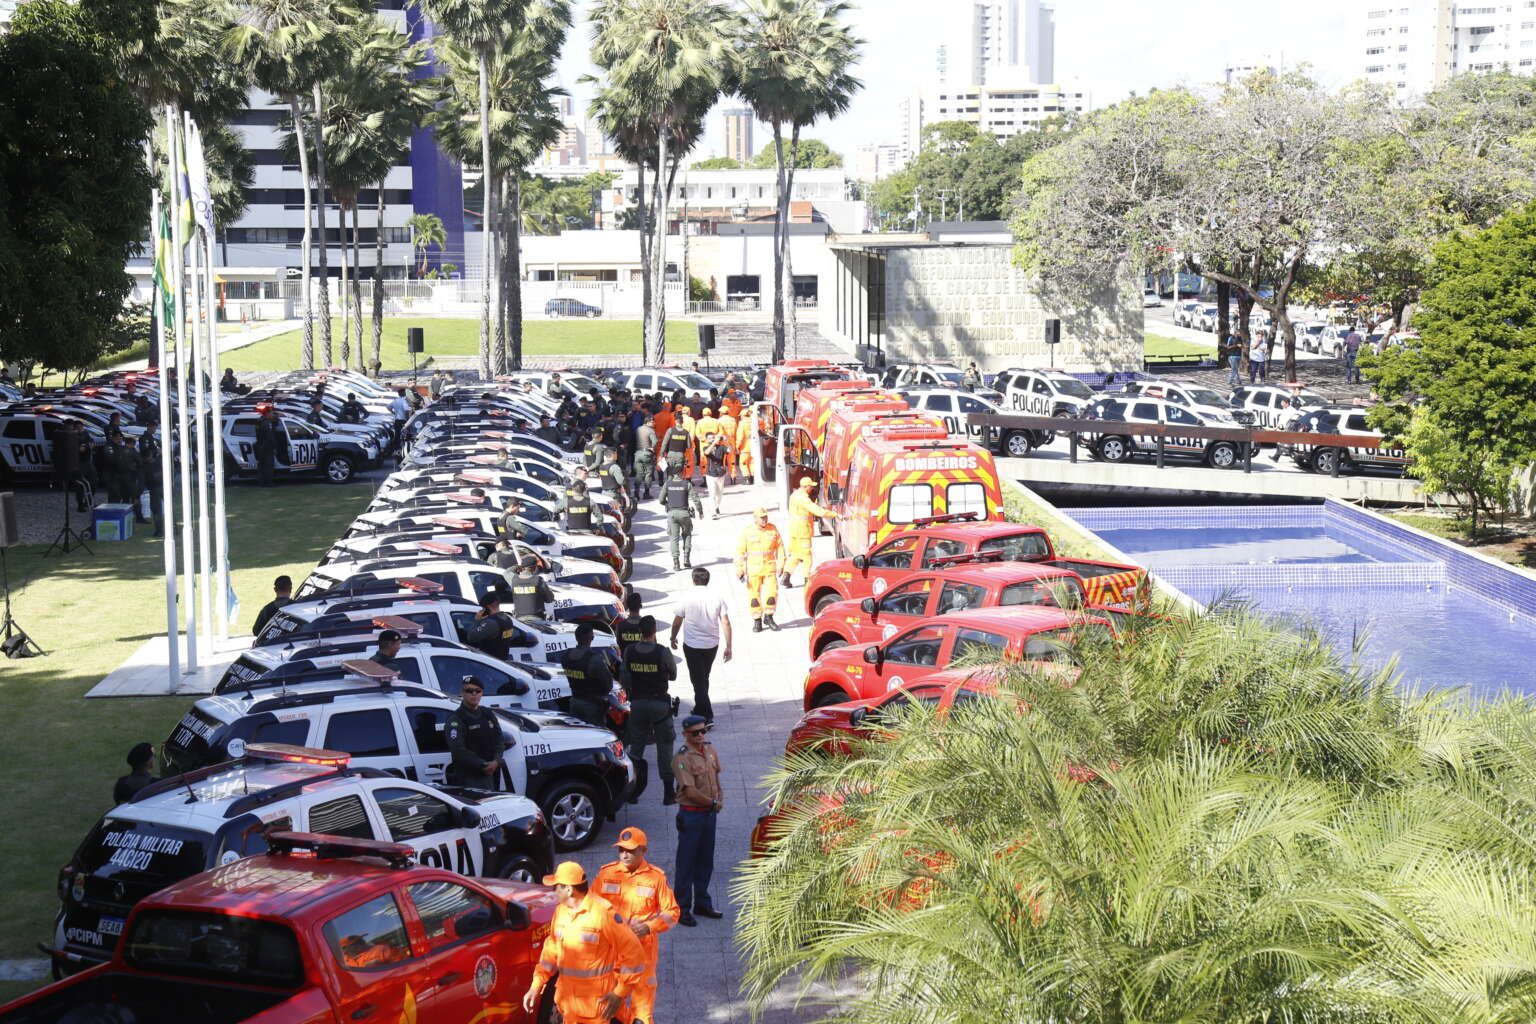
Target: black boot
[
  {"x": 768, "y": 621},
  {"x": 784, "y": 582},
  {"x": 675, "y": 566},
  {"x": 757, "y": 625},
  {"x": 641, "y": 768},
  {"x": 668, "y": 794}
]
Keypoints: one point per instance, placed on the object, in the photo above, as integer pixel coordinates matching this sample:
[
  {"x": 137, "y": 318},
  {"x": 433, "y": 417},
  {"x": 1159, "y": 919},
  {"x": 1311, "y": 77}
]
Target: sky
[{"x": 1110, "y": 47}]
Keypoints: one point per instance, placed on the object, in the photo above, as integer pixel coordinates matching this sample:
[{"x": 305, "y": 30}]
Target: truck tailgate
[
  {"x": 122, "y": 998},
  {"x": 1107, "y": 582}
]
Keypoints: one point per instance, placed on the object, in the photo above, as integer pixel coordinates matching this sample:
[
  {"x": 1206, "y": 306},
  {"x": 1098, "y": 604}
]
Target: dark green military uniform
[
  {"x": 679, "y": 497},
  {"x": 577, "y": 509},
  {"x": 674, "y": 448},
  {"x": 648, "y": 669},
  {"x": 645, "y": 458},
  {"x": 530, "y": 596},
  {"x": 591, "y": 678},
  {"x": 627, "y": 631},
  {"x": 474, "y": 741}
]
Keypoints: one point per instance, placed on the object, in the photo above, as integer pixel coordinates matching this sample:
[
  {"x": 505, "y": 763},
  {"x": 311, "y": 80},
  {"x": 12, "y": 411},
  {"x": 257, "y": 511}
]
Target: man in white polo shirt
[{"x": 701, "y": 622}]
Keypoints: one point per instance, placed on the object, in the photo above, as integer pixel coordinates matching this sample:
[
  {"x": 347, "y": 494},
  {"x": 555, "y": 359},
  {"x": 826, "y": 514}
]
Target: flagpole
[
  {"x": 220, "y": 527},
  {"x": 203, "y": 316},
  {"x": 167, "y": 465},
  {"x": 183, "y": 434}
]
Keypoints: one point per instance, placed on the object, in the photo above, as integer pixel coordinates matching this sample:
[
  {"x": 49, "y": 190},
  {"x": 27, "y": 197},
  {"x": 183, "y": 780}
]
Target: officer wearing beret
[{"x": 386, "y": 651}]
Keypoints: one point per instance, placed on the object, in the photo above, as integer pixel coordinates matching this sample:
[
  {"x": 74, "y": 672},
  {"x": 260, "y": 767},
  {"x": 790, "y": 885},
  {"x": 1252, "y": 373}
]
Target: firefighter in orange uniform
[
  {"x": 728, "y": 431},
  {"x": 746, "y": 430},
  {"x": 759, "y": 560},
  {"x": 597, "y": 956},
  {"x": 803, "y": 513},
  {"x": 638, "y": 889}
]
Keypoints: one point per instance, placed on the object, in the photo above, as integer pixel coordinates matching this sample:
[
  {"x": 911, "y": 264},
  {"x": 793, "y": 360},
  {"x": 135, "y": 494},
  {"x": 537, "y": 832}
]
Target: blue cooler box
[{"x": 112, "y": 522}]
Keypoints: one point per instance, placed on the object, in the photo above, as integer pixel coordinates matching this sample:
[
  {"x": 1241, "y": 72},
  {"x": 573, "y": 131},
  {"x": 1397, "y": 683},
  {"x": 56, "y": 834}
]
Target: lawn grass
[
  {"x": 90, "y": 613},
  {"x": 1163, "y": 346},
  {"x": 459, "y": 338},
  {"x": 1514, "y": 543}
]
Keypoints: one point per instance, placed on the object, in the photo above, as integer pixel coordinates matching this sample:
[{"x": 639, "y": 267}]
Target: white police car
[
  {"x": 540, "y": 541},
  {"x": 578, "y": 774},
  {"x": 223, "y": 811},
  {"x": 1119, "y": 443},
  {"x": 1043, "y": 392},
  {"x": 301, "y": 449},
  {"x": 1275, "y": 407},
  {"x": 954, "y": 408},
  {"x": 665, "y": 380},
  {"x": 1345, "y": 459},
  {"x": 27, "y": 438},
  {"x": 435, "y": 612}
]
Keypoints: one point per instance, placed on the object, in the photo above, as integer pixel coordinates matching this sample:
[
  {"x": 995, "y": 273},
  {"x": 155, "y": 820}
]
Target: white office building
[
  {"x": 1012, "y": 41},
  {"x": 1415, "y": 46},
  {"x": 1001, "y": 110}
]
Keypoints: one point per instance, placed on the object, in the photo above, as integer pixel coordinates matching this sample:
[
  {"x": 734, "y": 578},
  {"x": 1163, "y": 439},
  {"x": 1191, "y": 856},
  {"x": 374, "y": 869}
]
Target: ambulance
[
  {"x": 848, "y": 425},
  {"x": 803, "y": 444},
  {"x": 782, "y": 385},
  {"x": 893, "y": 482}
]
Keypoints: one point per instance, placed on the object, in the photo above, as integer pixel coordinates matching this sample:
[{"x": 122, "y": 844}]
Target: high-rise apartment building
[
  {"x": 1012, "y": 41},
  {"x": 738, "y": 135},
  {"x": 1415, "y": 46}
]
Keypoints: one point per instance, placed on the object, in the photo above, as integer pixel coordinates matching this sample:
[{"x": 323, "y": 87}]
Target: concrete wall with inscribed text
[{"x": 957, "y": 303}]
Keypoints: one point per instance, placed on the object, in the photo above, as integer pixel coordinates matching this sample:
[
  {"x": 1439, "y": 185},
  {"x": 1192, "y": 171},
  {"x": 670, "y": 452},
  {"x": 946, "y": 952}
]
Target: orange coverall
[
  {"x": 745, "y": 430},
  {"x": 728, "y": 430},
  {"x": 595, "y": 954},
  {"x": 644, "y": 896},
  {"x": 803, "y": 513},
  {"x": 760, "y": 557}
]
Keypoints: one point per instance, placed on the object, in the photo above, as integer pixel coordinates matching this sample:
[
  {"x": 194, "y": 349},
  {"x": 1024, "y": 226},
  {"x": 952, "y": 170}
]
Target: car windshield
[
  {"x": 1204, "y": 396},
  {"x": 1306, "y": 399},
  {"x": 1315, "y": 328},
  {"x": 950, "y": 375},
  {"x": 1072, "y": 386},
  {"x": 696, "y": 381}
]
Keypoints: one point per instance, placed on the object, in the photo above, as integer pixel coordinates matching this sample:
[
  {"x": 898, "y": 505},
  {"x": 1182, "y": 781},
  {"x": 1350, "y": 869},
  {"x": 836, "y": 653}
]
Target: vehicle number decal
[
  {"x": 555, "y": 645},
  {"x": 535, "y": 749},
  {"x": 544, "y": 695},
  {"x": 490, "y": 821},
  {"x": 193, "y": 723}
]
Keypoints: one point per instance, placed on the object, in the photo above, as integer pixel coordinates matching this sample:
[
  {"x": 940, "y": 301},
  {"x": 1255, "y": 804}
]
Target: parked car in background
[
  {"x": 570, "y": 307},
  {"x": 1150, "y": 298}
]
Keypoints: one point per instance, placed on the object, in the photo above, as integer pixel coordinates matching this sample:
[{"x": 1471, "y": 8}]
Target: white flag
[{"x": 197, "y": 179}]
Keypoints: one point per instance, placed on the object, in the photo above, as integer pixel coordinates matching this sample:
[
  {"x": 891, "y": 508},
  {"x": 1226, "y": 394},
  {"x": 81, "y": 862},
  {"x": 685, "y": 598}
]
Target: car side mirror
[
  {"x": 873, "y": 656},
  {"x": 860, "y": 562},
  {"x": 468, "y": 817},
  {"x": 517, "y": 917},
  {"x": 867, "y": 606},
  {"x": 526, "y": 640},
  {"x": 515, "y": 688}
]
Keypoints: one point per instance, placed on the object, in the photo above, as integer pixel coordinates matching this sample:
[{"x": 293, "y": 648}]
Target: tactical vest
[
  {"x": 578, "y": 511},
  {"x": 647, "y": 672},
  {"x": 525, "y": 597},
  {"x": 678, "y": 494},
  {"x": 628, "y": 632},
  {"x": 677, "y": 441}
]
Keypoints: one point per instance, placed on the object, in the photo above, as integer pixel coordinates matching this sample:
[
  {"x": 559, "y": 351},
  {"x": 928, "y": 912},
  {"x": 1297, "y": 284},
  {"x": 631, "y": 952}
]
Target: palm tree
[
  {"x": 662, "y": 60},
  {"x": 481, "y": 26},
  {"x": 795, "y": 69},
  {"x": 287, "y": 45},
  {"x": 427, "y": 232}
]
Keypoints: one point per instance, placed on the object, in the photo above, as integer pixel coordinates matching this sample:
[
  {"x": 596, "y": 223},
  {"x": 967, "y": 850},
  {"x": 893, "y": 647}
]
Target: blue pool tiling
[{"x": 1449, "y": 617}]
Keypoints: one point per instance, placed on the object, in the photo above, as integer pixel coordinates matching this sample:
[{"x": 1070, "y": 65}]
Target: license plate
[{"x": 110, "y": 925}]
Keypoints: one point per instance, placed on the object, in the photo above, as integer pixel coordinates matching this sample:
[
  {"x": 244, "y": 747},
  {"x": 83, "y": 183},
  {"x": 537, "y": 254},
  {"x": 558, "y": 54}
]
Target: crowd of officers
[{"x": 119, "y": 468}]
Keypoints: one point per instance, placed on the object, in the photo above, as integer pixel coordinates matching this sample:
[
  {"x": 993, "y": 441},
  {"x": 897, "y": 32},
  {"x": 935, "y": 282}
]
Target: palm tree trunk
[
  {"x": 791, "y": 321},
  {"x": 486, "y": 226},
  {"x": 346, "y": 313},
  {"x": 515, "y": 275},
  {"x": 378, "y": 281},
  {"x": 780, "y": 230},
  {"x": 499, "y": 336},
  {"x": 657, "y": 313},
  {"x": 357, "y": 285},
  {"x": 645, "y": 264},
  {"x": 307, "y": 351},
  {"x": 325, "y": 277}
]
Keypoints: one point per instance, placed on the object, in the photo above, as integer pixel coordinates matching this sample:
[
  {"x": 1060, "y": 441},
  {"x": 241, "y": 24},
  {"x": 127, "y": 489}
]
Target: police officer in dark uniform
[
  {"x": 674, "y": 450},
  {"x": 387, "y": 650},
  {"x": 591, "y": 677},
  {"x": 505, "y": 556},
  {"x": 648, "y": 670},
  {"x": 576, "y": 505},
  {"x": 474, "y": 740},
  {"x": 141, "y": 759},
  {"x": 352, "y": 411},
  {"x": 149, "y": 466},
  {"x": 530, "y": 594},
  {"x": 627, "y": 630},
  {"x": 547, "y": 430},
  {"x": 129, "y": 472},
  {"x": 494, "y": 629},
  {"x": 266, "y": 447},
  {"x": 645, "y": 456},
  {"x": 679, "y": 498},
  {"x": 615, "y": 482},
  {"x": 592, "y": 454},
  {"x": 511, "y": 525},
  {"x": 282, "y": 594}
]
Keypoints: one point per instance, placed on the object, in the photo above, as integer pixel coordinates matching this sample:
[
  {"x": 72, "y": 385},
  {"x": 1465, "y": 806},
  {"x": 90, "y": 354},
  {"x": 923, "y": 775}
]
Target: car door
[
  {"x": 502, "y": 689},
  {"x": 966, "y": 407},
  {"x": 900, "y": 607},
  {"x": 370, "y": 736},
  {"x": 915, "y": 655},
  {"x": 468, "y": 978},
  {"x": 345, "y": 815},
  {"x": 943, "y": 406},
  {"x": 1144, "y": 412},
  {"x": 427, "y": 823},
  {"x": 890, "y": 564},
  {"x": 302, "y": 448},
  {"x": 1176, "y": 417},
  {"x": 24, "y": 447},
  {"x": 380, "y": 974},
  {"x": 1040, "y": 395},
  {"x": 427, "y": 741}
]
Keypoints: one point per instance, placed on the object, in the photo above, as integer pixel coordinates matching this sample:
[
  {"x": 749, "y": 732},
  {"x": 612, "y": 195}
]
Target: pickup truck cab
[
  {"x": 184, "y": 824},
  {"x": 832, "y": 728},
  {"x": 922, "y": 546},
  {"x": 980, "y": 636},
  {"x": 970, "y": 583},
  {"x": 318, "y": 929}
]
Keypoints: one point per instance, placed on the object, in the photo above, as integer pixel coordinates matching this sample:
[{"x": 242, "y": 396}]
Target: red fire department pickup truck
[
  {"x": 319, "y": 929},
  {"x": 961, "y": 583},
  {"x": 832, "y": 727},
  {"x": 923, "y": 545},
  {"x": 980, "y": 636}
]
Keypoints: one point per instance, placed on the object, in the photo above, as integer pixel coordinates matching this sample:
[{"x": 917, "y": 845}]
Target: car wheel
[
  {"x": 1223, "y": 455},
  {"x": 572, "y": 812},
  {"x": 1324, "y": 461},
  {"x": 1114, "y": 449},
  {"x": 522, "y": 869},
  {"x": 829, "y": 695},
  {"x": 339, "y": 469},
  {"x": 830, "y": 645},
  {"x": 1016, "y": 444},
  {"x": 823, "y": 601}
]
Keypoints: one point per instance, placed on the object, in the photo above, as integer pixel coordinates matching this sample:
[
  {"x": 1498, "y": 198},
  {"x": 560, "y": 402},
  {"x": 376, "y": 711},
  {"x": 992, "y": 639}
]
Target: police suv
[
  {"x": 954, "y": 408},
  {"x": 911, "y": 376},
  {"x": 578, "y": 774},
  {"x": 1275, "y": 407},
  {"x": 482, "y": 515},
  {"x": 664, "y": 380},
  {"x": 27, "y": 439},
  {"x": 1118, "y": 443},
  {"x": 436, "y": 613},
  {"x": 1327, "y": 458},
  {"x": 1186, "y": 393},
  {"x": 1044, "y": 392},
  {"x": 300, "y": 448},
  {"x": 472, "y": 543},
  {"x": 181, "y": 825}
]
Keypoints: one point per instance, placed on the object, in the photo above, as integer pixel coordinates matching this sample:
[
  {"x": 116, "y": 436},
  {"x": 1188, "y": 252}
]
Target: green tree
[
  {"x": 1480, "y": 482},
  {"x": 717, "y": 163},
  {"x": 664, "y": 63},
  {"x": 796, "y": 68},
  {"x": 1475, "y": 358},
  {"x": 74, "y": 191},
  {"x": 287, "y": 46},
  {"x": 481, "y": 26},
  {"x": 427, "y": 232},
  {"x": 812, "y": 153}
]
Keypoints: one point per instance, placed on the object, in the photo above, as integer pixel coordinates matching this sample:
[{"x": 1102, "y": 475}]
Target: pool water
[{"x": 1333, "y": 570}]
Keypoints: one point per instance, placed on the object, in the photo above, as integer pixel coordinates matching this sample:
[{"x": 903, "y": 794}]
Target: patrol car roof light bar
[
  {"x": 292, "y": 754},
  {"x": 322, "y": 847}
]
